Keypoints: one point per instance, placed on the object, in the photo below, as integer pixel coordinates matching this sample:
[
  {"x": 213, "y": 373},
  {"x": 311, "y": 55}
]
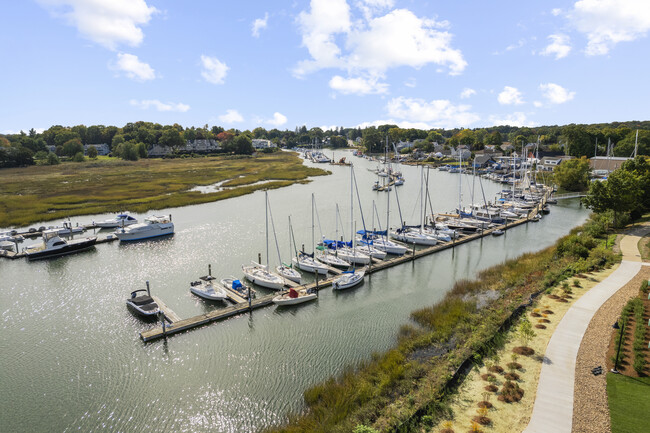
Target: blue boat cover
[{"x": 236, "y": 284}]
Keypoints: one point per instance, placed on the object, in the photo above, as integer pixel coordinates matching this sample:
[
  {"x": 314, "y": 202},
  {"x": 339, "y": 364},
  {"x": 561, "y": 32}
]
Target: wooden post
[
  {"x": 259, "y": 258},
  {"x": 209, "y": 270},
  {"x": 316, "y": 275},
  {"x": 162, "y": 319},
  {"x": 148, "y": 291},
  {"x": 249, "y": 299},
  {"x": 413, "y": 254}
]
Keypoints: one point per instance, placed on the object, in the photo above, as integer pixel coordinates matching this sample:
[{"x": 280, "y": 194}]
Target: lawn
[
  {"x": 41, "y": 193},
  {"x": 629, "y": 404}
]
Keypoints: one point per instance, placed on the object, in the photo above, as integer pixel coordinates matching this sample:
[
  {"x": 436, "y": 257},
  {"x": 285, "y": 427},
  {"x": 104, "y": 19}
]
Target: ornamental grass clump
[
  {"x": 482, "y": 418},
  {"x": 511, "y": 392}
]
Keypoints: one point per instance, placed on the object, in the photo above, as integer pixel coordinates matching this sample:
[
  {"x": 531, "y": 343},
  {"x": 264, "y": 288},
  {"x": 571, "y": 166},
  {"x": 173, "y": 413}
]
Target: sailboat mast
[
  {"x": 460, "y": 179},
  {"x": 351, "y": 205},
  {"x": 421, "y": 197},
  {"x": 312, "y": 223},
  {"x": 387, "y": 214},
  {"x": 266, "y": 197},
  {"x": 636, "y": 142}
]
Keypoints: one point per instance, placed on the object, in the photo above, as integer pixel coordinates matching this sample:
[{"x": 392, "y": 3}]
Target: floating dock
[{"x": 376, "y": 265}]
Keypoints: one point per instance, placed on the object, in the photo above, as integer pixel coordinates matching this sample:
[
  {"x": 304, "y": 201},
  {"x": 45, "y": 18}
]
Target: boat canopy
[
  {"x": 365, "y": 233},
  {"x": 336, "y": 244},
  {"x": 236, "y": 284}
]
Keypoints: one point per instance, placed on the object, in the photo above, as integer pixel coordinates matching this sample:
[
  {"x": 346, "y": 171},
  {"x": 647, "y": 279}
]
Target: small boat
[
  {"x": 289, "y": 273},
  {"x": 410, "y": 236},
  {"x": 370, "y": 250},
  {"x": 546, "y": 210},
  {"x": 67, "y": 229},
  {"x": 7, "y": 245},
  {"x": 497, "y": 232},
  {"x": 237, "y": 286},
  {"x": 54, "y": 246},
  {"x": 293, "y": 297},
  {"x": 205, "y": 288},
  {"x": 152, "y": 227},
  {"x": 121, "y": 220},
  {"x": 536, "y": 218},
  {"x": 309, "y": 264},
  {"x": 332, "y": 260},
  {"x": 348, "y": 279},
  {"x": 144, "y": 305},
  {"x": 258, "y": 274}
]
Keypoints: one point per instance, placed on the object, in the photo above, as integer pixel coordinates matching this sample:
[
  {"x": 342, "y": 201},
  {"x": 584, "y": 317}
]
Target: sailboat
[
  {"x": 259, "y": 274},
  {"x": 328, "y": 257},
  {"x": 293, "y": 297},
  {"x": 351, "y": 278},
  {"x": 307, "y": 262},
  {"x": 283, "y": 269},
  {"x": 414, "y": 234}
]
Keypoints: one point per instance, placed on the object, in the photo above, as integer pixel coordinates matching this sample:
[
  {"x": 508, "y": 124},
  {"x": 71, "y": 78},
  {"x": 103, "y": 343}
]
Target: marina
[{"x": 301, "y": 345}]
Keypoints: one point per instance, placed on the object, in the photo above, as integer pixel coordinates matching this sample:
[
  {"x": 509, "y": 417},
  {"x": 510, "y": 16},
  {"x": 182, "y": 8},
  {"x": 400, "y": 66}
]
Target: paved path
[{"x": 553, "y": 409}]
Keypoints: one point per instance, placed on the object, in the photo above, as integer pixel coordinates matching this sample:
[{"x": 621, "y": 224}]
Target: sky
[{"x": 325, "y": 63}]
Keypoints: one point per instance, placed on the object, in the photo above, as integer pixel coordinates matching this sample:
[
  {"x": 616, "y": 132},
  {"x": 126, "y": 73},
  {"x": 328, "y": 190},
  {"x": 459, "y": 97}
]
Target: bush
[
  {"x": 92, "y": 152},
  {"x": 78, "y": 157},
  {"x": 364, "y": 429}
]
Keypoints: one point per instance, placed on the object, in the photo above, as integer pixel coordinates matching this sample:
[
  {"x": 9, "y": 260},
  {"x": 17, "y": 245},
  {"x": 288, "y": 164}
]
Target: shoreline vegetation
[
  {"x": 42, "y": 193},
  {"x": 407, "y": 388}
]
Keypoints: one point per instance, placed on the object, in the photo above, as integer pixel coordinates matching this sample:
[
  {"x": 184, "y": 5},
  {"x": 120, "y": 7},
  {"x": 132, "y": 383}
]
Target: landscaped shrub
[{"x": 511, "y": 392}]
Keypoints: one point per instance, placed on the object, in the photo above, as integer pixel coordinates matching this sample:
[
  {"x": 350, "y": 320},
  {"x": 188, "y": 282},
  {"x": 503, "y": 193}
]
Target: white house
[{"x": 259, "y": 143}]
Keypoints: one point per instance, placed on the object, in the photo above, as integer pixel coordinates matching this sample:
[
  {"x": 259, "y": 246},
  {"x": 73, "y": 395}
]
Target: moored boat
[
  {"x": 121, "y": 220},
  {"x": 54, "y": 246},
  {"x": 154, "y": 226},
  {"x": 293, "y": 297}
]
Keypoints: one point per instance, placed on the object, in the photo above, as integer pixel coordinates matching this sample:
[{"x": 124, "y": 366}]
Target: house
[
  {"x": 102, "y": 149},
  {"x": 483, "y": 161},
  {"x": 548, "y": 163},
  {"x": 606, "y": 164},
  {"x": 196, "y": 146},
  {"x": 461, "y": 150},
  {"x": 404, "y": 145},
  {"x": 259, "y": 143}
]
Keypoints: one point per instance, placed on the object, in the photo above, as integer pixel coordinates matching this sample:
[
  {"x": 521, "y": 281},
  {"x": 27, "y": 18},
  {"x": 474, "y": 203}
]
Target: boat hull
[
  {"x": 71, "y": 248},
  {"x": 163, "y": 230},
  {"x": 285, "y": 300}
]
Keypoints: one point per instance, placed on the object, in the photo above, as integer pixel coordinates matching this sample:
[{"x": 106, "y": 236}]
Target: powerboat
[
  {"x": 348, "y": 279},
  {"x": 234, "y": 284},
  {"x": 205, "y": 288},
  {"x": 121, "y": 220},
  {"x": 144, "y": 305},
  {"x": 293, "y": 297},
  {"x": 152, "y": 227},
  {"x": 54, "y": 246}
]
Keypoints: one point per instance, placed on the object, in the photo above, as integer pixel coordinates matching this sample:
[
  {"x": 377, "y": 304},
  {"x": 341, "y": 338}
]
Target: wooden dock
[{"x": 375, "y": 266}]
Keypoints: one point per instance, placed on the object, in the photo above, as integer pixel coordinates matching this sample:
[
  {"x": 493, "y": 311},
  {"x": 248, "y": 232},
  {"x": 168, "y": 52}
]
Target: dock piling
[{"x": 148, "y": 291}]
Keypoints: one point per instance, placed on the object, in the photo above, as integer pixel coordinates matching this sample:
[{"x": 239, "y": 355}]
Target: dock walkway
[{"x": 243, "y": 306}]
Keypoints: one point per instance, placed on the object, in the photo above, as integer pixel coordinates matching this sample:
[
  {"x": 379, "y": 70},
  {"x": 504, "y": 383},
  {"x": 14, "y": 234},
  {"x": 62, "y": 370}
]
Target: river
[{"x": 70, "y": 352}]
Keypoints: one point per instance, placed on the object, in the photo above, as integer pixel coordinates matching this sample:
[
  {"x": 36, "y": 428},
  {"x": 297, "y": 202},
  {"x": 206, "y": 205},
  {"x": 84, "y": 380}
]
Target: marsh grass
[
  {"x": 391, "y": 391},
  {"x": 33, "y": 194}
]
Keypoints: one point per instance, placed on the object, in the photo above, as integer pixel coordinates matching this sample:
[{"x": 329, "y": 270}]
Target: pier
[{"x": 242, "y": 306}]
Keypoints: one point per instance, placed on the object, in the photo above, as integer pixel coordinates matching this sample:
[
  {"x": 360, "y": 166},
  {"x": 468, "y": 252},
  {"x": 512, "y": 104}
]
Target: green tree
[
  {"x": 371, "y": 139},
  {"x": 171, "y": 138},
  {"x": 52, "y": 159},
  {"x": 242, "y": 145},
  {"x": 72, "y": 147},
  {"x": 337, "y": 141},
  {"x": 92, "y": 152},
  {"x": 578, "y": 141},
  {"x": 625, "y": 147},
  {"x": 78, "y": 157},
  {"x": 620, "y": 193},
  {"x": 141, "y": 149},
  {"x": 526, "y": 332},
  {"x": 572, "y": 175}
]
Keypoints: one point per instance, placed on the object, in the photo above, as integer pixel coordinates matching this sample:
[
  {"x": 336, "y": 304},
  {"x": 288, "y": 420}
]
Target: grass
[
  {"x": 629, "y": 404},
  {"x": 33, "y": 194},
  {"x": 398, "y": 389}
]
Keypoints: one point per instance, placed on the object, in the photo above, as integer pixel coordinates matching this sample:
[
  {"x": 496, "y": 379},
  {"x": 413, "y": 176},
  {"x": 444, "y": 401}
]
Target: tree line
[{"x": 134, "y": 139}]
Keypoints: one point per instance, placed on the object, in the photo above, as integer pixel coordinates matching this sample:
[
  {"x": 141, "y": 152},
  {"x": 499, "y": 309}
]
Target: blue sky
[{"x": 323, "y": 63}]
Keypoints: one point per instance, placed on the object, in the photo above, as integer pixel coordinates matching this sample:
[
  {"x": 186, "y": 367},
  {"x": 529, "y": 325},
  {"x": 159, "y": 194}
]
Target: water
[{"x": 70, "y": 353}]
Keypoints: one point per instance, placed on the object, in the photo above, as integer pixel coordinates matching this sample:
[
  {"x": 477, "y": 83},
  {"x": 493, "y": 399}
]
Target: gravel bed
[{"x": 590, "y": 408}]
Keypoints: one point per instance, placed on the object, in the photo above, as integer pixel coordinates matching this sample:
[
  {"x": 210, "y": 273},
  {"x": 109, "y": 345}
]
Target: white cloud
[
  {"x": 559, "y": 46},
  {"x": 411, "y": 82},
  {"x": 133, "y": 67},
  {"x": 555, "y": 93},
  {"x": 520, "y": 43},
  {"x": 358, "y": 85},
  {"x": 436, "y": 113},
  {"x": 145, "y": 104},
  {"x": 608, "y": 22},
  {"x": 214, "y": 71},
  {"x": 467, "y": 92},
  {"x": 259, "y": 24},
  {"x": 538, "y": 104},
  {"x": 231, "y": 116},
  {"x": 369, "y": 45},
  {"x": 106, "y": 22},
  {"x": 278, "y": 119},
  {"x": 556, "y": 11},
  {"x": 515, "y": 119},
  {"x": 510, "y": 96}
]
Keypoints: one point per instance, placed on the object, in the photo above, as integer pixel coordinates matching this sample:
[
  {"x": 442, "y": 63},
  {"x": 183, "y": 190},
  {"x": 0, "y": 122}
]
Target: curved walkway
[{"x": 553, "y": 409}]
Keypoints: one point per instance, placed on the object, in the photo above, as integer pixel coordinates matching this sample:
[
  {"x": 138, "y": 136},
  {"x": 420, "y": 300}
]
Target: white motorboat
[
  {"x": 497, "y": 232},
  {"x": 289, "y": 273},
  {"x": 309, "y": 264},
  {"x": 6, "y": 245},
  {"x": 54, "y": 246},
  {"x": 205, "y": 288},
  {"x": 144, "y": 305},
  {"x": 121, "y": 220},
  {"x": 293, "y": 297},
  {"x": 153, "y": 226},
  {"x": 348, "y": 279},
  {"x": 234, "y": 284},
  {"x": 258, "y": 274},
  {"x": 332, "y": 260}
]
